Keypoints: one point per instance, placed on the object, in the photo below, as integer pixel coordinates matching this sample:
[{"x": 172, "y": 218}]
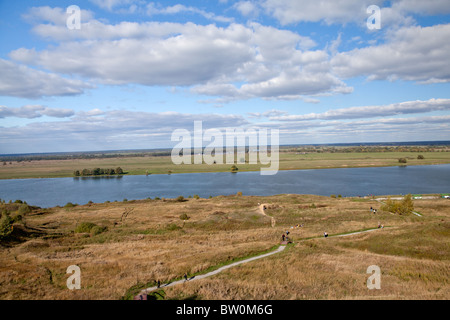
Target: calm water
[{"x": 347, "y": 182}]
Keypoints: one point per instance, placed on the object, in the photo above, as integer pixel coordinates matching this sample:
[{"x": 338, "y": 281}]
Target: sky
[{"x": 131, "y": 72}]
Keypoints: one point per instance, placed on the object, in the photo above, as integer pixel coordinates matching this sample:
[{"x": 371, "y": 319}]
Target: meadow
[
  {"x": 148, "y": 164},
  {"x": 138, "y": 242}
]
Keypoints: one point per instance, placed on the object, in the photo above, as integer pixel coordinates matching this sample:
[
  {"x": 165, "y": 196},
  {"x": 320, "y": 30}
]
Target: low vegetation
[{"x": 123, "y": 247}]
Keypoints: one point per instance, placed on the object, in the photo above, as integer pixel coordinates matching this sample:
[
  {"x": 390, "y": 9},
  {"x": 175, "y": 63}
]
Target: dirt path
[
  {"x": 263, "y": 212},
  {"x": 212, "y": 273}
]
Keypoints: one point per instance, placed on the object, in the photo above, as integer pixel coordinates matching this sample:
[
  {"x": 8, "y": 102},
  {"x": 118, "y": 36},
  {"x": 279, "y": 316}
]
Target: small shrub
[
  {"x": 157, "y": 198},
  {"x": 5, "y": 226},
  {"x": 402, "y": 160},
  {"x": 97, "y": 230},
  {"x": 24, "y": 209},
  {"x": 239, "y": 193},
  {"x": 184, "y": 216},
  {"x": 420, "y": 157},
  {"x": 180, "y": 199},
  {"x": 69, "y": 205},
  {"x": 400, "y": 207},
  {"x": 18, "y": 201},
  {"x": 125, "y": 200},
  {"x": 85, "y": 227},
  {"x": 172, "y": 227},
  {"x": 196, "y": 196},
  {"x": 333, "y": 196},
  {"x": 339, "y": 196}
]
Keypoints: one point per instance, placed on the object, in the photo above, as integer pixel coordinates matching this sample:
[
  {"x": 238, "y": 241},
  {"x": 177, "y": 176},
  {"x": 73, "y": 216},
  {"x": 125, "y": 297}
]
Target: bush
[
  {"x": 405, "y": 206},
  {"x": 180, "y": 199},
  {"x": 402, "y": 160},
  {"x": 172, "y": 227},
  {"x": 85, "y": 227},
  {"x": 6, "y": 227},
  {"x": 420, "y": 157},
  {"x": 333, "y": 196},
  {"x": 24, "y": 209},
  {"x": 184, "y": 216},
  {"x": 69, "y": 205},
  {"x": 239, "y": 193},
  {"x": 97, "y": 230},
  {"x": 196, "y": 196},
  {"x": 18, "y": 201}
]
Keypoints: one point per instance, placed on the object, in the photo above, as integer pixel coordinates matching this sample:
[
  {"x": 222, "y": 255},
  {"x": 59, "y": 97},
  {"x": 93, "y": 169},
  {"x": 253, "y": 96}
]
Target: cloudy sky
[{"x": 135, "y": 71}]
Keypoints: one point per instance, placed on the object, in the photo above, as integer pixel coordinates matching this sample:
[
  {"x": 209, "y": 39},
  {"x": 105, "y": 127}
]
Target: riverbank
[{"x": 148, "y": 165}]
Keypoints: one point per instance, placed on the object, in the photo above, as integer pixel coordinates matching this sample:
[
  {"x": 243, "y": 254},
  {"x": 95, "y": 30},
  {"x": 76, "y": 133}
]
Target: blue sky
[{"x": 137, "y": 70}]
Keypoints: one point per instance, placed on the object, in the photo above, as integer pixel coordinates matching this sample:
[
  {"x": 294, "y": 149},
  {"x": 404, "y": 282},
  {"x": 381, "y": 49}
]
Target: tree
[
  {"x": 405, "y": 206},
  {"x": 76, "y": 173},
  {"x": 119, "y": 170}
]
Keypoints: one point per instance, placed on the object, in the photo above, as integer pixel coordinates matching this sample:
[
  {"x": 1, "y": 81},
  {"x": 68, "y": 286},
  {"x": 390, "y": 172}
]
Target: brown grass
[{"x": 154, "y": 243}]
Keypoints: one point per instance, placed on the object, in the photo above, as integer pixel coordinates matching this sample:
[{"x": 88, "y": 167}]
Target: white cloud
[
  {"x": 22, "y": 81},
  {"x": 34, "y": 111},
  {"x": 410, "y": 53},
  {"x": 117, "y": 129},
  {"x": 349, "y": 11},
  {"x": 267, "y": 62},
  {"x": 56, "y": 16},
  {"x": 155, "y": 9},
  {"x": 329, "y": 11},
  {"x": 407, "y": 107},
  {"x": 247, "y": 8}
]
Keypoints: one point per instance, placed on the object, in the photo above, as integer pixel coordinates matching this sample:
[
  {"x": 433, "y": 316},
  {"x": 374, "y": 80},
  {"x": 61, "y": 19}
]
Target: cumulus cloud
[
  {"x": 349, "y": 11},
  {"x": 410, "y": 53},
  {"x": 267, "y": 62},
  {"x": 21, "y": 81},
  {"x": 34, "y": 111}
]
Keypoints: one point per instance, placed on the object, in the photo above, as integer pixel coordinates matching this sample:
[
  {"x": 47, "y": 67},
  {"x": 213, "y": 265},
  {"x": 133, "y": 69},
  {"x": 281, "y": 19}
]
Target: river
[{"x": 344, "y": 181}]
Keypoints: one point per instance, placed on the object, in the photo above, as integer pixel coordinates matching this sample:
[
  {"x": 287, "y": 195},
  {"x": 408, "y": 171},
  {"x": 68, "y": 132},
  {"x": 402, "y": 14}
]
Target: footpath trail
[
  {"x": 278, "y": 250},
  {"x": 262, "y": 209}
]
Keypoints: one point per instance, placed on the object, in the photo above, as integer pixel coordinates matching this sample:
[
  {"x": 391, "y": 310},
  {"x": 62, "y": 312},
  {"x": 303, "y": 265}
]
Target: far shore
[{"x": 150, "y": 165}]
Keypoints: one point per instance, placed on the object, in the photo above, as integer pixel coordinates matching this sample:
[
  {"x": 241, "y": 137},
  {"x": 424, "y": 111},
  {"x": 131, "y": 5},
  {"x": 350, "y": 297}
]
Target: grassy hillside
[{"x": 137, "y": 243}]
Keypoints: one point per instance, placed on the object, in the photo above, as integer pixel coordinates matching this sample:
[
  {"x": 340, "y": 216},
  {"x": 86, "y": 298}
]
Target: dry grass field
[{"x": 146, "y": 240}]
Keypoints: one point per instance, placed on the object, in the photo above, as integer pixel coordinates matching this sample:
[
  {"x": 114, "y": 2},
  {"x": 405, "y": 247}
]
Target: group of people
[{"x": 373, "y": 210}]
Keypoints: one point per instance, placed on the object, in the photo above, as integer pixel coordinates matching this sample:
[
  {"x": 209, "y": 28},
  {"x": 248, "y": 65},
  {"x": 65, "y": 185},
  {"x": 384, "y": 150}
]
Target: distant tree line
[{"x": 97, "y": 172}]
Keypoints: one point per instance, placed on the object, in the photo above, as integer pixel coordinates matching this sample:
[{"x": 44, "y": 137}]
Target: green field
[{"x": 164, "y": 165}]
